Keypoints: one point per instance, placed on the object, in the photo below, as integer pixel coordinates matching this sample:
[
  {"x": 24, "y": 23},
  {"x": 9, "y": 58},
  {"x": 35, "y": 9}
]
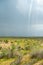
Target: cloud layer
[
  {"x": 21, "y": 17},
  {"x": 22, "y": 6}
]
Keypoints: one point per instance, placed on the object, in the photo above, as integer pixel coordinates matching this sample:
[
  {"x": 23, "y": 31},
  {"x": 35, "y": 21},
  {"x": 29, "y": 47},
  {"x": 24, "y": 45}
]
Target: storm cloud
[{"x": 21, "y": 17}]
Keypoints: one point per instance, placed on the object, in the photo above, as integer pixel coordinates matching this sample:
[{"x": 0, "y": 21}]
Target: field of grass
[{"x": 21, "y": 51}]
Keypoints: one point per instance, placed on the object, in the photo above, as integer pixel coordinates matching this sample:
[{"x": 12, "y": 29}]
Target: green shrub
[
  {"x": 32, "y": 61},
  {"x": 6, "y": 41},
  {"x": 9, "y": 55},
  {"x": 0, "y": 47},
  {"x": 37, "y": 54},
  {"x": 12, "y": 47},
  {"x": 11, "y": 42},
  {"x": 1, "y": 55},
  {"x": 27, "y": 47},
  {"x": 6, "y": 53},
  {"x": 17, "y": 62}
]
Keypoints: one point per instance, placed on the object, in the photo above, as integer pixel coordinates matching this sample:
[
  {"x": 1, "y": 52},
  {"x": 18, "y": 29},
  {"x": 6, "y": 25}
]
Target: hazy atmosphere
[{"x": 21, "y": 17}]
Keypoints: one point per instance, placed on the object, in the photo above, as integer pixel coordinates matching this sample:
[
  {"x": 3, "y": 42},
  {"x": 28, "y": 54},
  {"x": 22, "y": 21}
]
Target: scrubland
[{"x": 21, "y": 51}]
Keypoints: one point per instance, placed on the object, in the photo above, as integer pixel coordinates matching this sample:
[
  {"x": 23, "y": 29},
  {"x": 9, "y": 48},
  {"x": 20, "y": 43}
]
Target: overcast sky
[{"x": 21, "y": 18}]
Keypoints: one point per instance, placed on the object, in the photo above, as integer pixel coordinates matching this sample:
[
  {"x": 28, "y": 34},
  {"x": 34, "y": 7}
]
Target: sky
[{"x": 21, "y": 18}]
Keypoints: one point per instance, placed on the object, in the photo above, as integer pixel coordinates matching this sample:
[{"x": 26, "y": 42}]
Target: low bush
[
  {"x": 0, "y": 47},
  {"x": 1, "y": 55},
  {"x": 0, "y": 40},
  {"x": 37, "y": 54},
  {"x": 27, "y": 47},
  {"x": 17, "y": 62},
  {"x": 6, "y": 41},
  {"x": 11, "y": 42}
]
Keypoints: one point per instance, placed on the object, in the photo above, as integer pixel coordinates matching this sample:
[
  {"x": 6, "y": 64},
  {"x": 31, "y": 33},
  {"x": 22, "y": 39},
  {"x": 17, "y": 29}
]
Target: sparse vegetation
[{"x": 26, "y": 51}]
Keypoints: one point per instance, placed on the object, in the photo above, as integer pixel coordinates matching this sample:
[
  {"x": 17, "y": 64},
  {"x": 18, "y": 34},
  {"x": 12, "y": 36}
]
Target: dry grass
[
  {"x": 6, "y": 62},
  {"x": 21, "y": 46}
]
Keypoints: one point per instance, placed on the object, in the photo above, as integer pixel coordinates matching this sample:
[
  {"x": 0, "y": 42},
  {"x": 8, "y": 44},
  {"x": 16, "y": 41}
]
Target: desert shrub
[
  {"x": 11, "y": 42},
  {"x": 9, "y": 55},
  {"x": 27, "y": 47},
  {"x": 0, "y": 40},
  {"x": 12, "y": 49},
  {"x": 12, "y": 63},
  {"x": 1, "y": 55},
  {"x": 40, "y": 54},
  {"x": 6, "y": 53},
  {"x": 19, "y": 48},
  {"x": 37, "y": 54},
  {"x": 34, "y": 55},
  {"x": 6, "y": 41},
  {"x": 12, "y": 46},
  {"x": 18, "y": 42},
  {"x": 17, "y": 62},
  {"x": 22, "y": 48},
  {"x": 15, "y": 41},
  {"x": 0, "y": 47},
  {"x": 32, "y": 61}
]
